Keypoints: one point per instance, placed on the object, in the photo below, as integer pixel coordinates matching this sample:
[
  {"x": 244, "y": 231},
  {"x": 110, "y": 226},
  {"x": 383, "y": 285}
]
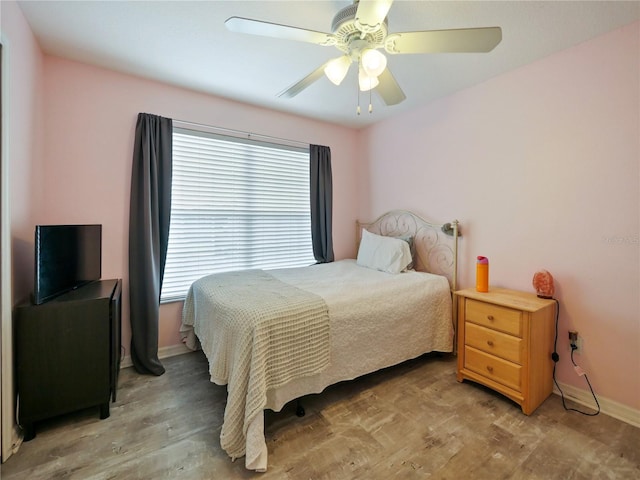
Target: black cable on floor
[{"x": 556, "y": 358}]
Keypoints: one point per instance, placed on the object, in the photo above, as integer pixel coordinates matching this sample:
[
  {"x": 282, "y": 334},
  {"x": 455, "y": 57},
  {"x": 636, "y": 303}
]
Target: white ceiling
[{"x": 186, "y": 43}]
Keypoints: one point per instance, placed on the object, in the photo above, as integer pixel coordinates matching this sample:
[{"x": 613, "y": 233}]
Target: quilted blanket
[{"x": 267, "y": 333}]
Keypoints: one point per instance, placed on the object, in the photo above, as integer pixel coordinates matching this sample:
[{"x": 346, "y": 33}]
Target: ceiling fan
[{"x": 359, "y": 31}]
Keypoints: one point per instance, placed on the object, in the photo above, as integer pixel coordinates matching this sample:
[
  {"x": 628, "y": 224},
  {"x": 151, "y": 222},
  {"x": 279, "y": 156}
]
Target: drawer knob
[
  {"x": 490, "y": 368},
  {"x": 490, "y": 343},
  {"x": 490, "y": 317}
]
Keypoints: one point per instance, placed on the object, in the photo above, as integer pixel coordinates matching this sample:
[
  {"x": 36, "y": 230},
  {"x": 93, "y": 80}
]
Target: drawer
[
  {"x": 494, "y": 368},
  {"x": 500, "y": 318},
  {"x": 494, "y": 342}
]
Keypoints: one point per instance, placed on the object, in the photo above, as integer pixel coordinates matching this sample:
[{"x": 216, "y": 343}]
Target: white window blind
[{"x": 236, "y": 204}]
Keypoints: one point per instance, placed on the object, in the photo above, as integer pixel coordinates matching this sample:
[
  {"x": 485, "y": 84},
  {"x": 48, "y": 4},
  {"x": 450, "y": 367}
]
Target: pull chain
[{"x": 358, "y": 93}]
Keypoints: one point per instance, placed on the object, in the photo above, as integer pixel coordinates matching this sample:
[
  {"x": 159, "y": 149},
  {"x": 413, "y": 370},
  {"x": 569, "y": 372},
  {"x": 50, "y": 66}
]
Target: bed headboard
[{"x": 435, "y": 247}]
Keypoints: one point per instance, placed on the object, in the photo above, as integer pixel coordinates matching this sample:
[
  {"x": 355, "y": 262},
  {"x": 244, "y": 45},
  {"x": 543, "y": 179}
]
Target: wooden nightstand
[{"x": 505, "y": 342}]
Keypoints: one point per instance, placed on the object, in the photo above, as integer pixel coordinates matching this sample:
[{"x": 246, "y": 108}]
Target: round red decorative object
[{"x": 543, "y": 283}]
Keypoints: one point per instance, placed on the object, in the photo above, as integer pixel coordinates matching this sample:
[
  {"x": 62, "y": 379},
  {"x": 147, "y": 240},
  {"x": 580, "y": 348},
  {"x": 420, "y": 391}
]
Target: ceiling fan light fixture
[
  {"x": 373, "y": 62},
  {"x": 337, "y": 69},
  {"x": 359, "y": 31}
]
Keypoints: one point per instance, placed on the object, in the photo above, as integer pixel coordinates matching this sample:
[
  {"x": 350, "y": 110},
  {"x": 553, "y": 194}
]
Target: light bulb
[
  {"x": 337, "y": 69},
  {"x": 373, "y": 62},
  {"x": 366, "y": 82}
]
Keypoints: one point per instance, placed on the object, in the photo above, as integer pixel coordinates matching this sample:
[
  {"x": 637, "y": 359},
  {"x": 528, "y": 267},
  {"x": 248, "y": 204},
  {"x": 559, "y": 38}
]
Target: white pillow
[{"x": 386, "y": 254}]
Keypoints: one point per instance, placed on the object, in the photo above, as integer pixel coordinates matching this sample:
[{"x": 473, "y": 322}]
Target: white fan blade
[
  {"x": 463, "y": 40},
  {"x": 371, "y": 14},
  {"x": 266, "y": 29},
  {"x": 296, "y": 88},
  {"x": 388, "y": 89}
]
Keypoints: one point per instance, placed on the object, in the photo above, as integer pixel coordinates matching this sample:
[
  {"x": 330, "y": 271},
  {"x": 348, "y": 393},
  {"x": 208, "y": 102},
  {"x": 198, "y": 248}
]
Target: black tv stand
[{"x": 68, "y": 353}]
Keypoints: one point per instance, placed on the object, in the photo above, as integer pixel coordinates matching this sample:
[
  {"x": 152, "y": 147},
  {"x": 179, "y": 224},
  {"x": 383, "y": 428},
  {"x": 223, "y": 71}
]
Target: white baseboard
[
  {"x": 608, "y": 407},
  {"x": 163, "y": 352}
]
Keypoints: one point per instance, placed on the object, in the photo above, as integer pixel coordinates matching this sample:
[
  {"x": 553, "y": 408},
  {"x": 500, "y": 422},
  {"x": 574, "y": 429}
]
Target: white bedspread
[
  {"x": 377, "y": 320},
  {"x": 259, "y": 333}
]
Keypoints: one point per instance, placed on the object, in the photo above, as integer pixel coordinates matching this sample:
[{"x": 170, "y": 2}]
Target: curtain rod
[{"x": 240, "y": 133}]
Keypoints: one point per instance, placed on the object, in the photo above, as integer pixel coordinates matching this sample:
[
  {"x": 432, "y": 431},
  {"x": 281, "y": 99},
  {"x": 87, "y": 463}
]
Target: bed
[{"x": 276, "y": 336}]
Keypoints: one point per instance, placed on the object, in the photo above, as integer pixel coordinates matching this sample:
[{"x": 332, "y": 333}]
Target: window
[{"x": 236, "y": 204}]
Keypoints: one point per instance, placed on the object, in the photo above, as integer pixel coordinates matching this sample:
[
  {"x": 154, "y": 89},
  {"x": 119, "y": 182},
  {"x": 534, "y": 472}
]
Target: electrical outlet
[{"x": 575, "y": 340}]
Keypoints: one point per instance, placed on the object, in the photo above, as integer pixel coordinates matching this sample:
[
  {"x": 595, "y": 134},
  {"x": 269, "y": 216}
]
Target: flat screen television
[{"x": 67, "y": 257}]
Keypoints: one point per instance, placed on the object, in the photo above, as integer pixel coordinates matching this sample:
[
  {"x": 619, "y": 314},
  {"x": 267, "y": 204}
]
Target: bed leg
[{"x": 299, "y": 408}]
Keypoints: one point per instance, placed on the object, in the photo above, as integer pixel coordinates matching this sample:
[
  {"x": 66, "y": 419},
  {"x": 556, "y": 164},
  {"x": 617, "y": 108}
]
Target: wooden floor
[{"x": 414, "y": 421}]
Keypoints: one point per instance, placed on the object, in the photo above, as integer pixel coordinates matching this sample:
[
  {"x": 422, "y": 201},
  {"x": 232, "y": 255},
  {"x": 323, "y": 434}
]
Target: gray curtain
[
  {"x": 321, "y": 203},
  {"x": 148, "y": 235}
]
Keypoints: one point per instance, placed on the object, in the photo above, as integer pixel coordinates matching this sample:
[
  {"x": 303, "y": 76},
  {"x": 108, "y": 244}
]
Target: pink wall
[
  {"x": 90, "y": 116},
  {"x": 24, "y": 62},
  {"x": 541, "y": 167},
  {"x": 21, "y": 104}
]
